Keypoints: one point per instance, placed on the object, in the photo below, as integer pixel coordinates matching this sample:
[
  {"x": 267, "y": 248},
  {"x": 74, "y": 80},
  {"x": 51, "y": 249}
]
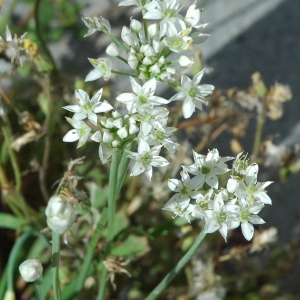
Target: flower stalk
[
  {"x": 171, "y": 275},
  {"x": 55, "y": 265}
]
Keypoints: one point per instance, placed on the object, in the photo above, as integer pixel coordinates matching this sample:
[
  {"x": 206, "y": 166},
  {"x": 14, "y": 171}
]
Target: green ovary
[
  {"x": 192, "y": 92},
  {"x": 184, "y": 191},
  {"x": 169, "y": 13},
  {"x": 146, "y": 159},
  {"x": 245, "y": 215},
  {"x": 203, "y": 205},
  {"x": 205, "y": 170},
  {"x": 143, "y": 100},
  {"x": 221, "y": 218},
  {"x": 160, "y": 135}
]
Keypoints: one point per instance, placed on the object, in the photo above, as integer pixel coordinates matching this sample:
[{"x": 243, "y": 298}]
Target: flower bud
[
  {"x": 115, "y": 114},
  {"x": 109, "y": 123},
  {"x": 162, "y": 60},
  {"x": 115, "y": 143},
  {"x": 122, "y": 133},
  {"x": 118, "y": 123},
  {"x": 185, "y": 61},
  {"x": 155, "y": 69},
  {"x": 133, "y": 128},
  {"x": 152, "y": 30},
  {"x": 107, "y": 137},
  {"x": 31, "y": 270},
  {"x": 97, "y": 136},
  {"x": 60, "y": 214},
  {"x": 128, "y": 37},
  {"x": 132, "y": 61},
  {"x": 158, "y": 46},
  {"x": 147, "y": 61},
  {"x": 112, "y": 49},
  {"x": 147, "y": 50},
  {"x": 135, "y": 25}
]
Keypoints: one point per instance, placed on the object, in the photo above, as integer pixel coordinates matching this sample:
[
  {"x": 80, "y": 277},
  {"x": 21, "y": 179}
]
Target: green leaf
[
  {"x": 121, "y": 222},
  {"x": 132, "y": 246},
  {"x": 10, "y": 221}
]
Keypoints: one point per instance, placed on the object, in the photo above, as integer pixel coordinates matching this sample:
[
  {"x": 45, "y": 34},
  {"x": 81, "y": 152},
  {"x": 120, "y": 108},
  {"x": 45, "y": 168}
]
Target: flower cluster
[
  {"x": 222, "y": 208},
  {"x": 145, "y": 49}
]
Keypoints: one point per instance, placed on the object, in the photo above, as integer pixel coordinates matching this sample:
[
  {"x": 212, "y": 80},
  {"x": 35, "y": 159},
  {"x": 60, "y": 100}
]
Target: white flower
[
  {"x": 88, "y": 107},
  {"x": 204, "y": 201},
  {"x": 146, "y": 158},
  {"x": 249, "y": 188},
  {"x": 167, "y": 11},
  {"x": 177, "y": 39},
  {"x": 192, "y": 17},
  {"x": 162, "y": 137},
  {"x": 209, "y": 167},
  {"x": 143, "y": 96},
  {"x": 185, "y": 188},
  {"x": 180, "y": 207},
  {"x": 219, "y": 218},
  {"x": 151, "y": 118},
  {"x": 192, "y": 93},
  {"x": 31, "y": 270},
  {"x": 60, "y": 214},
  {"x": 80, "y": 132},
  {"x": 102, "y": 69},
  {"x": 247, "y": 214}
]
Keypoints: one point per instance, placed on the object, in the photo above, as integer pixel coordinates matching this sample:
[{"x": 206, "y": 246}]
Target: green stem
[
  {"x": 113, "y": 175},
  {"x": 38, "y": 284},
  {"x": 258, "y": 132},
  {"x": 122, "y": 59},
  {"x": 116, "y": 40},
  {"x": 123, "y": 74},
  {"x": 55, "y": 265},
  {"x": 13, "y": 159},
  {"x": 185, "y": 259},
  {"x": 123, "y": 166},
  {"x": 103, "y": 276},
  {"x": 90, "y": 251}
]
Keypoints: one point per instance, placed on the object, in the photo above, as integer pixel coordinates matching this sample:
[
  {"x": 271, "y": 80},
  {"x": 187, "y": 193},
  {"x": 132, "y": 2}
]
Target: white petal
[
  {"x": 73, "y": 108},
  {"x": 232, "y": 185},
  {"x": 251, "y": 174},
  {"x": 212, "y": 181},
  {"x": 198, "y": 77},
  {"x": 247, "y": 230},
  {"x": 127, "y": 97},
  {"x": 135, "y": 86},
  {"x": 79, "y": 116},
  {"x": 143, "y": 147},
  {"x": 158, "y": 161},
  {"x": 263, "y": 197},
  {"x": 71, "y": 136},
  {"x": 93, "y": 118},
  {"x": 97, "y": 136},
  {"x": 213, "y": 225},
  {"x": 103, "y": 107},
  {"x": 93, "y": 75},
  {"x": 188, "y": 107},
  {"x": 175, "y": 185},
  {"x": 137, "y": 169}
]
